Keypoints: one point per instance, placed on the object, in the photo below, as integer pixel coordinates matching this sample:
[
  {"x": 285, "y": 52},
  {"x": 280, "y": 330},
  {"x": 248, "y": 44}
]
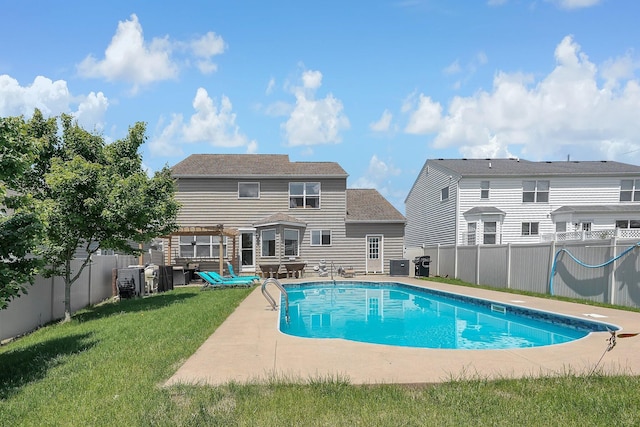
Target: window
[
  {"x": 471, "y": 233},
  {"x": 320, "y": 237},
  {"x": 630, "y": 190},
  {"x": 490, "y": 233},
  {"x": 484, "y": 189},
  {"x": 202, "y": 246},
  {"x": 248, "y": 190},
  {"x": 268, "y": 239},
  {"x": 535, "y": 191},
  {"x": 530, "y": 228},
  {"x": 291, "y": 240},
  {"x": 304, "y": 195},
  {"x": 628, "y": 223},
  {"x": 444, "y": 194},
  {"x": 561, "y": 227}
]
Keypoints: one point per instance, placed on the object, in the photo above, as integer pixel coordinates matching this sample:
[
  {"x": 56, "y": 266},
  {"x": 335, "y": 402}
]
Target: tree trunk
[{"x": 67, "y": 293}]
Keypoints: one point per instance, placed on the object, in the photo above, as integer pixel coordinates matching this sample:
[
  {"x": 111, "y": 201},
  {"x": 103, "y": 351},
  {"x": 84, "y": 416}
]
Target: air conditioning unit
[{"x": 399, "y": 267}]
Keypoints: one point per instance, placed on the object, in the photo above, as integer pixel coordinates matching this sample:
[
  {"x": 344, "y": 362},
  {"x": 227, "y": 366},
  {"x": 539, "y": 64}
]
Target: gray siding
[
  {"x": 431, "y": 220},
  {"x": 207, "y": 202}
]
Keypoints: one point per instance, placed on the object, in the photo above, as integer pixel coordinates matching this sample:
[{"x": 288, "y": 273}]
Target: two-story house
[
  {"x": 283, "y": 212},
  {"x": 500, "y": 201}
]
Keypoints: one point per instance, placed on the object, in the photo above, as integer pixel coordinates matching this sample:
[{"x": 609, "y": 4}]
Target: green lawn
[{"x": 107, "y": 367}]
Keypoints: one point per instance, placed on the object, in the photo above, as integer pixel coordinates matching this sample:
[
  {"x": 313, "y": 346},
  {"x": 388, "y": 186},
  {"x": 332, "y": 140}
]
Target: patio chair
[
  {"x": 233, "y": 274},
  {"x": 213, "y": 280}
]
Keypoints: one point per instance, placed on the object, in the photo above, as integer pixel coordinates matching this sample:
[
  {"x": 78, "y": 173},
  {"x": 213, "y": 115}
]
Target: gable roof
[
  {"x": 253, "y": 165},
  {"x": 280, "y": 218},
  {"x": 521, "y": 167},
  {"x": 368, "y": 205}
]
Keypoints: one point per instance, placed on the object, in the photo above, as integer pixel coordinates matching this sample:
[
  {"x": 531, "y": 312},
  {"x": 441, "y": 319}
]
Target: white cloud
[
  {"x": 314, "y": 121},
  {"x": 270, "y": 86},
  {"x": 575, "y": 4},
  {"x": 312, "y": 79},
  {"x": 453, "y": 68},
  {"x": 426, "y": 118},
  {"x": 167, "y": 144},
  {"x": 383, "y": 124},
  {"x": 91, "y": 111},
  {"x": 377, "y": 176},
  {"x": 131, "y": 59},
  {"x": 212, "y": 124},
  {"x": 206, "y": 47},
  {"x": 52, "y": 98},
  {"x": 566, "y": 112},
  {"x": 252, "y": 147}
]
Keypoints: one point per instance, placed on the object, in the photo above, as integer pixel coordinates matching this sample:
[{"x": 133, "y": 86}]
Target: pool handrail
[{"x": 272, "y": 301}]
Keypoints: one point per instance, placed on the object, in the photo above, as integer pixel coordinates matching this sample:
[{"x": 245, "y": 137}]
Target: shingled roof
[
  {"x": 253, "y": 165},
  {"x": 368, "y": 205},
  {"x": 520, "y": 167}
]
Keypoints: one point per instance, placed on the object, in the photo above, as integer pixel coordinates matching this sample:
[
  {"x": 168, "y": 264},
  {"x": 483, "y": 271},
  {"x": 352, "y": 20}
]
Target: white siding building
[{"x": 500, "y": 201}]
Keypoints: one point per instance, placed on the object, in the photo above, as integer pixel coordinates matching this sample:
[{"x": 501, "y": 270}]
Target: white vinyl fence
[
  {"x": 45, "y": 299},
  {"x": 558, "y": 268}
]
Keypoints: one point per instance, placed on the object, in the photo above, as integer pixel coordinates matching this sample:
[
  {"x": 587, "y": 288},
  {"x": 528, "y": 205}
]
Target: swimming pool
[{"x": 403, "y": 315}]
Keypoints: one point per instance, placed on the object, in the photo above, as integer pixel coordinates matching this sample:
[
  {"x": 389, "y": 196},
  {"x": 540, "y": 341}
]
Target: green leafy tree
[
  {"x": 19, "y": 226},
  {"x": 92, "y": 195}
]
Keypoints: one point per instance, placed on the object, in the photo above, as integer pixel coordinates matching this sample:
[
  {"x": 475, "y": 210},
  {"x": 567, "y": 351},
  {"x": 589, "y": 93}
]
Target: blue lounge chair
[
  {"x": 214, "y": 280},
  {"x": 233, "y": 274}
]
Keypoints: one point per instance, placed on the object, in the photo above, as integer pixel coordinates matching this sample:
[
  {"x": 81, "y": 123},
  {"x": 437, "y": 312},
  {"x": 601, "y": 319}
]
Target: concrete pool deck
[{"x": 248, "y": 347}]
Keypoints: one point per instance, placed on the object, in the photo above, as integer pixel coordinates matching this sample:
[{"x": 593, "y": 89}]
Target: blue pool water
[{"x": 409, "y": 316}]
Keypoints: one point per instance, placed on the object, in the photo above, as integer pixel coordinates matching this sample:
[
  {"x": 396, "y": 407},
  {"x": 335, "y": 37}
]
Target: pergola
[{"x": 216, "y": 230}]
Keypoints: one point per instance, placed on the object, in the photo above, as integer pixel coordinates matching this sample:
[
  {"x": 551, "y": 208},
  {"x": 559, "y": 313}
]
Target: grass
[{"x": 108, "y": 366}]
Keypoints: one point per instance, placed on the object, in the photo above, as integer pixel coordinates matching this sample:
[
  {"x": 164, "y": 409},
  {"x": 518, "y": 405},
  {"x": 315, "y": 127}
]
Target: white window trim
[
  {"x": 442, "y": 198},
  {"x": 321, "y": 234},
  {"x": 284, "y": 236},
  {"x": 530, "y": 229},
  {"x": 304, "y": 194},
  {"x": 275, "y": 239},
  {"x": 248, "y": 198}
]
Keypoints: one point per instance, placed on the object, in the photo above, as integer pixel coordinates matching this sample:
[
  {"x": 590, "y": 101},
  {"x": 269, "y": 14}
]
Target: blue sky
[{"x": 377, "y": 86}]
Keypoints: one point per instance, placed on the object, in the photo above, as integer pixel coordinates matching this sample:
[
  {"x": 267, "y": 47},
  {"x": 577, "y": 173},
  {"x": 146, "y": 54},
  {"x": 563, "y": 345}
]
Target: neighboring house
[
  {"x": 283, "y": 212},
  {"x": 500, "y": 201}
]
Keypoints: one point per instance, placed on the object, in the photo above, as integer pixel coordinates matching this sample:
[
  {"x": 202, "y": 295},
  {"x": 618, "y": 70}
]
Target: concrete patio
[{"x": 248, "y": 347}]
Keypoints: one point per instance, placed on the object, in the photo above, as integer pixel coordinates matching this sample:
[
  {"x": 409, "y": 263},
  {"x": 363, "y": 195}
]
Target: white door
[
  {"x": 375, "y": 260},
  {"x": 247, "y": 252}
]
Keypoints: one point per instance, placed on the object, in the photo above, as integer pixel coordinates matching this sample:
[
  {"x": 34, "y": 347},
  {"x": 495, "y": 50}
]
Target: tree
[
  {"x": 92, "y": 195},
  {"x": 19, "y": 226}
]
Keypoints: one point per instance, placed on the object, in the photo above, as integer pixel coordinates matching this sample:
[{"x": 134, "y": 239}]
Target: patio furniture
[
  {"x": 233, "y": 274},
  {"x": 214, "y": 280},
  {"x": 295, "y": 269},
  {"x": 269, "y": 270}
]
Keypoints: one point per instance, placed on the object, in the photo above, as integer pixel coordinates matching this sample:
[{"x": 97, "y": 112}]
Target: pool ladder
[{"x": 272, "y": 301}]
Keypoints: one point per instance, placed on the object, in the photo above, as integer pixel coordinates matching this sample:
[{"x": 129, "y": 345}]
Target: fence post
[
  {"x": 550, "y": 266},
  {"x": 612, "y": 276},
  {"x": 478, "y": 264},
  {"x": 508, "y": 265}
]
